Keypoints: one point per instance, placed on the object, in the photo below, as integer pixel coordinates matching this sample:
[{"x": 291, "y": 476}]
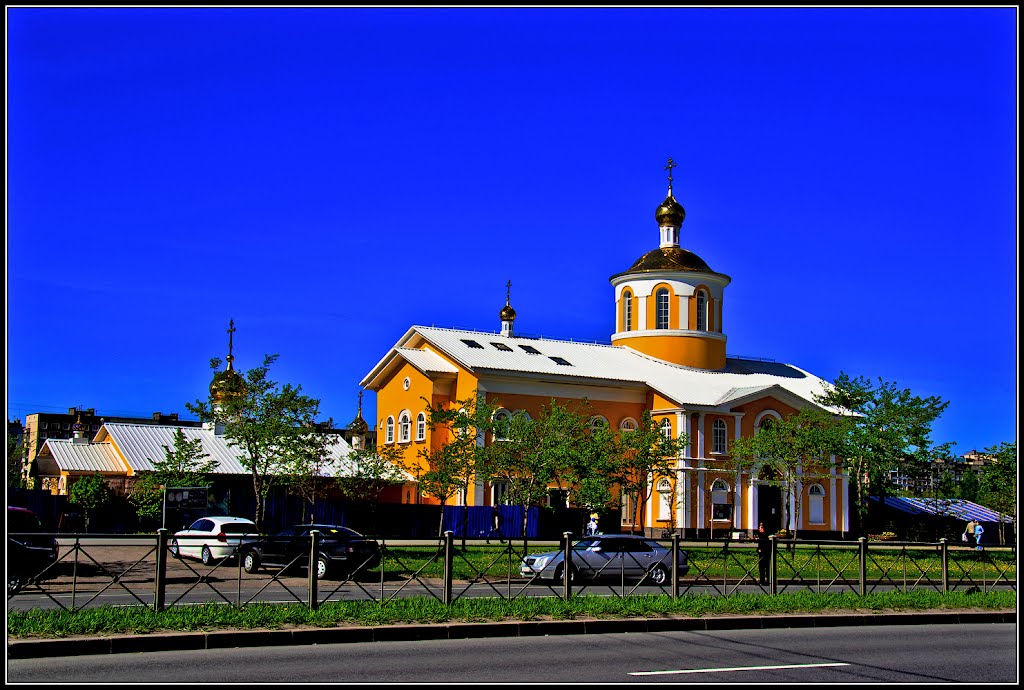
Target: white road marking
[{"x": 735, "y": 668}]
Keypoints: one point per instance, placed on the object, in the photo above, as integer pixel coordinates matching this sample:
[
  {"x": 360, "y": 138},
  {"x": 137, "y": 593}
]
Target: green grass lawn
[{"x": 207, "y": 617}]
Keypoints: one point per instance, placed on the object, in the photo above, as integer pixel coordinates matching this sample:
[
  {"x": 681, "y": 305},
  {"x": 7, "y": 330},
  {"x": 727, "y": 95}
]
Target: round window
[{"x": 406, "y": 383}]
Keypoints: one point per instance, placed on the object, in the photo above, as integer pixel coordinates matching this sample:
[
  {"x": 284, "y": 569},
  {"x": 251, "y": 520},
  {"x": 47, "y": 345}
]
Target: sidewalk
[{"x": 120, "y": 644}]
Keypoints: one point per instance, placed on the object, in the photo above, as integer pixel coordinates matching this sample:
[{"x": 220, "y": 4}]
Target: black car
[
  {"x": 343, "y": 552},
  {"x": 29, "y": 551}
]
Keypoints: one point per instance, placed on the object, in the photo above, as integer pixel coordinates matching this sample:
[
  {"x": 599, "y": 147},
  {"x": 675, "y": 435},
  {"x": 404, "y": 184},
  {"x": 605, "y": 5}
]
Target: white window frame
[
  {"x": 666, "y": 428},
  {"x": 421, "y": 427},
  {"x": 702, "y": 310},
  {"x": 816, "y": 504},
  {"x": 720, "y": 495},
  {"x": 719, "y": 437},
  {"x": 628, "y": 424},
  {"x": 502, "y": 415},
  {"x": 661, "y": 308},
  {"x": 404, "y": 427},
  {"x": 627, "y": 311},
  {"x": 389, "y": 430},
  {"x": 597, "y": 422}
]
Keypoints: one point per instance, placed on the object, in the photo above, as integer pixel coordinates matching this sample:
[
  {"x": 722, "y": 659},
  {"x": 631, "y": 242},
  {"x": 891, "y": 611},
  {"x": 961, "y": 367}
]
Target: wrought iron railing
[{"x": 151, "y": 572}]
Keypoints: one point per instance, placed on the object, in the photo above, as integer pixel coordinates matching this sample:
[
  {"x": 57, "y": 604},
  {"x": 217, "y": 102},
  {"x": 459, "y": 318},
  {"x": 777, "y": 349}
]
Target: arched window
[
  {"x": 627, "y": 311},
  {"x": 702, "y": 310},
  {"x": 389, "y": 430},
  {"x": 661, "y": 308},
  {"x": 816, "y": 504},
  {"x": 767, "y": 423},
  {"x": 597, "y": 422},
  {"x": 628, "y": 424},
  {"x": 501, "y": 419},
  {"x": 421, "y": 427},
  {"x": 721, "y": 506},
  {"x": 666, "y": 428},
  {"x": 404, "y": 427},
  {"x": 665, "y": 494},
  {"x": 718, "y": 437}
]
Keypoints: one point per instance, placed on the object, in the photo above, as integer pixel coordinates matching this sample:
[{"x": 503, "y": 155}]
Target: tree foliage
[
  {"x": 15, "y": 458},
  {"x": 887, "y": 426},
  {"x": 90, "y": 493},
  {"x": 998, "y": 485},
  {"x": 642, "y": 454},
  {"x": 273, "y": 425},
  {"x": 184, "y": 465}
]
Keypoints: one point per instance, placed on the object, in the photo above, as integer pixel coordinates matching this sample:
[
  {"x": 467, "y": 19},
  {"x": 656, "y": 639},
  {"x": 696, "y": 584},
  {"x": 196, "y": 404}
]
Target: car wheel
[
  {"x": 560, "y": 571},
  {"x": 207, "y": 556},
  {"x": 321, "y": 568},
  {"x": 251, "y": 562},
  {"x": 658, "y": 575},
  {"x": 175, "y": 550},
  {"x": 14, "y": 583}
]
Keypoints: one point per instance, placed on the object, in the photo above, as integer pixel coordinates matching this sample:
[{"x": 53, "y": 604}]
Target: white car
[{"x": 214, "y": 538}]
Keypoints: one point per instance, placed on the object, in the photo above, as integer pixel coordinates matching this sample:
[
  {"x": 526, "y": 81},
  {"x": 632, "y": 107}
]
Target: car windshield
[
  {"x": 238, "y": 528},
  {"x": 584, "y": 544}
]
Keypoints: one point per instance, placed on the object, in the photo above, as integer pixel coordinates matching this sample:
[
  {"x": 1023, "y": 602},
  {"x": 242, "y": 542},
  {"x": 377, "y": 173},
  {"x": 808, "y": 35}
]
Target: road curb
[{"x": 227, "y": 639}]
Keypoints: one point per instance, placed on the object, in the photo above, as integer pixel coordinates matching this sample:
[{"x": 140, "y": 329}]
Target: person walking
[
  {"x": 978, "y": 531},
  {"x": 764, "y": 555},
  {"x": 495, "y": 525}
]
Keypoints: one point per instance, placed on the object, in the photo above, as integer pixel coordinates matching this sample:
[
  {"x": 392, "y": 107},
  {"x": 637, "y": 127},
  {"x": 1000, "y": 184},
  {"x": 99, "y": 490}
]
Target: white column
[
  {"x": 832, "y": 494},
  {"x": 798, "y": 497},
  {"x": 641, "y": 312},
  {"x": 701, "y": 522},
  {"x": 844, "y": 484},
  {"x": 684, "y": 312},
  {"x": 737, "y": 502}
]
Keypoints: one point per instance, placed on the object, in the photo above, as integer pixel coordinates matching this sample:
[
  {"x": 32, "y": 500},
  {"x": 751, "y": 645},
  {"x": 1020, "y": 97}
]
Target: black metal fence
[{"x": 154, "y": 571}]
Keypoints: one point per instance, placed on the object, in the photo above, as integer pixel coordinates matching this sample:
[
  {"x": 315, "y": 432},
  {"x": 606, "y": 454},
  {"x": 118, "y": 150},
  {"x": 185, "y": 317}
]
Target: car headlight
[{"x": 541, "y": 562}]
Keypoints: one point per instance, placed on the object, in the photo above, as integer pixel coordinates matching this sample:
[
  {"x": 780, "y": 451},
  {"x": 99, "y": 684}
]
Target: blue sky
[{"x": 329, "y": 177}]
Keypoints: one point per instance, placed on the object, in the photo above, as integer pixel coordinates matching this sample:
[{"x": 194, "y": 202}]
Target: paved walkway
[{"x": 119, "y": 644}]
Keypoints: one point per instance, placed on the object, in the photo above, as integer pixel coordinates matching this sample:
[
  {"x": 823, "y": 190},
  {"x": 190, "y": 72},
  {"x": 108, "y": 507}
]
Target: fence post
[
  {"x": 675, "y": 565},
  {"x": 773, "y": 584},
  {"x": 448, "y": 547},
  {"x": 944, "y": 547},
  {"x": 160, "y": 586},
  {"x": 863, "y": 548},
  {"x": 314, "y": 557},
  {"x": 567, "y": 565}
]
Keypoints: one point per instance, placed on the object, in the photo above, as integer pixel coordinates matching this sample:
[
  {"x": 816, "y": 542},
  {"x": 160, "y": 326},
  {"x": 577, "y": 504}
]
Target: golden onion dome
[
  {"x": 670, "y": 212},
  {"x": 507, "y": 313},
  {"x": 79, "y": 425},
  {"x": 358, "y": 425},
  {"x": 226, "y": 384},
  {"x": 669, "y": 259}
]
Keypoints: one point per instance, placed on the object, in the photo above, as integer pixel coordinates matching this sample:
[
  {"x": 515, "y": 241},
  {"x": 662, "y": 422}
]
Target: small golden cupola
[
  {"x": 358, "y": 427},
  {"x": 79, "y": 428},
  {"x": 228, "y": 383},
  {"x": 507, "y": 313},
  {"x": 669, "y": 302}
]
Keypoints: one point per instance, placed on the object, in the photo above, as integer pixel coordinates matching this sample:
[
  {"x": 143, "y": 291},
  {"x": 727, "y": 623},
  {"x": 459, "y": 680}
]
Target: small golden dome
[
  {"x": 670, "y": 212},
  {"x": 358, "y": 426},
  {"x": 507, "y": 313},
  {"x": 227, "y": 384}
]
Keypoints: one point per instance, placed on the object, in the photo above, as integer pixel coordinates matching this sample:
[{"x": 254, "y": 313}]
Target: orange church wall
[{"x": 688, "y": 350}]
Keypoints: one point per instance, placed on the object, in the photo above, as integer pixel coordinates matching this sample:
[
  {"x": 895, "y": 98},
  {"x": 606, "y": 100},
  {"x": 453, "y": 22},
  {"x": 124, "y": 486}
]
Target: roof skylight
[
  {"x": 530, "y": 348},
  {"x": 473, "y": 344}
]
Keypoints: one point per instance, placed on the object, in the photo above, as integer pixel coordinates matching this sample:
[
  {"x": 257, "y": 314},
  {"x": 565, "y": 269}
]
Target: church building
[{"x": 667, "y": 356}]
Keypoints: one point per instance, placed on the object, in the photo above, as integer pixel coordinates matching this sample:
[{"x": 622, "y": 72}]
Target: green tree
[
  {"x": 90, "y": 494},
  {"x": 370, "y": 472},
  {"x": 452, "y": 465},
  {"x": 185, "y": 464},
  {"x": 999, "y": 483},
  {"x": 888, "y": 425},
  {"x": 308, "y": 468},
  {"x": 969, "y": 488},
  {"x": 15, "y": 462},
  {"x": 640, "y": 455},
  {"x": 271, "y": 424}
]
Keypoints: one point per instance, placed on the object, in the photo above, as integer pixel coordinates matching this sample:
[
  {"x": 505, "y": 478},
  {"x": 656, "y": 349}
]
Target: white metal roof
[
  {"x": 482, "y": 352},
  {"x": 141, "y": 444},
  {"x": 82, "y": 457}
]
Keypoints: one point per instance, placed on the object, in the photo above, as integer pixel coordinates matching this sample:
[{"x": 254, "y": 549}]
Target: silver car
[{"x": 607, "y": 555}]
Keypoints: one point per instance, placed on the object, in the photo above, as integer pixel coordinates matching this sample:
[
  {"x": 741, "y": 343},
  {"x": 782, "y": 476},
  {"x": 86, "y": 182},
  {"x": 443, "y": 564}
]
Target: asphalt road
[{"x": 940, "y": 653}]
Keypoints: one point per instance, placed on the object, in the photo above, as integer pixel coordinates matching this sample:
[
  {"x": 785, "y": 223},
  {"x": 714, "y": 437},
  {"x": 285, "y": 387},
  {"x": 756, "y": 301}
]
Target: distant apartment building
[
  {"x": 41, "y": 426},
  {"x": 972, "y": 461}
]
